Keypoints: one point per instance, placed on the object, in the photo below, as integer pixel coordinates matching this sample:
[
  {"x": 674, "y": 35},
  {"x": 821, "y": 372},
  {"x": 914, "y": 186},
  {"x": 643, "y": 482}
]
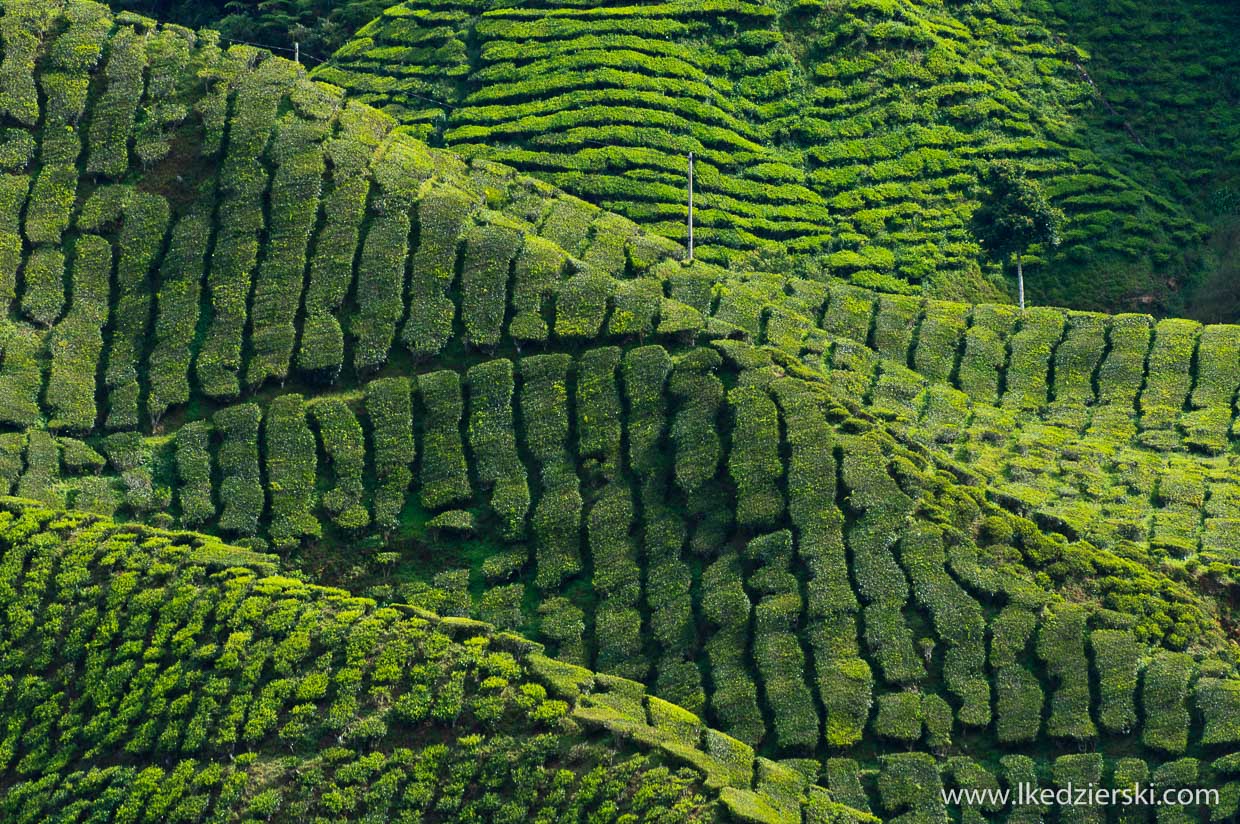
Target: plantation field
[
  {"x": 356, "y": 479},
  {"x": 842, "y": 138}
]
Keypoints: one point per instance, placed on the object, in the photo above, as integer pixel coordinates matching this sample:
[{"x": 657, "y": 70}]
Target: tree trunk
[{"x": 1020, "y": 281}]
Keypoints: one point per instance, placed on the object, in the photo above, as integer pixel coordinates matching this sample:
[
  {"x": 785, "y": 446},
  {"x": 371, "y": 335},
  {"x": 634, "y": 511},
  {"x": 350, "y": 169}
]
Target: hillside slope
[
  {"x": 847, "y": 135},
  {"x": 154, "y": 676},
  {"x": 824, "y": 521}
]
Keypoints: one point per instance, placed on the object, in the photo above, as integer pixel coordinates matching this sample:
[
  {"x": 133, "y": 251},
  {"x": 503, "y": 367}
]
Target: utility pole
[
  {"x": 690, "y": 207},
  {"x": 296, "y": 52}
]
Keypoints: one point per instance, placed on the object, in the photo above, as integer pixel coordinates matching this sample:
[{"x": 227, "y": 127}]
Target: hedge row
[
  {"x": 753, "y": 460},
  {"x": 489, "y": 251},
  {"x": 1164, "y": 702},
  {"x": 389, "y": 407},
  {"x": 21, "y": 376},
  {"x": 699, "y": 395},
  {"x": 320, "y": 352},
  {"x": 344, "y": 444},
  {"x": 243, "y": 180},
  {"x": 76, "y": 343},
  {"x": 293, "y": 209},
  {"x": 1061, "y": 646},
  {"x": 617, "y": 581},
  {"x": 544, "y": 399},
  {"x": 776, "y": 646},
  {"x": 598, "y": 409},
  {"x": 1208, "y": 427},
  {"x": 492, "y": 442},
  {"x": 180, "y": 288},
  {"x": 1039, "y": 332},
  {"x": 291, "y": 461},
  {"x": 881, "y": 509},
  {"x": 725, "y": 605},
  {"x": 958, "y": 621},
  {"x": 1117, "y": 660},
  {"x": 1168, "y": 373},
  {"x": 42, "y": 472},
  {"x": 811, "y": 487},
  {"x": 241, "y": 489},
  {"x": 398, "y": 167},
  {"x": 112, "y": 119},
  {"x": 1076, "y": 359},
  {"x": 444, "y": 473},
  {"x": 938, "y": 339},
  {"x": 442, "y": 215},
  {"x": 985, "y": 351},
  {"x": 141, "y": 240},
  {"x": 193, "y": 464},
  {"x": 1018, "y": 694}
]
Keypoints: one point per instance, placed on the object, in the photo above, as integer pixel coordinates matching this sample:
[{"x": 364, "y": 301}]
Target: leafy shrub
[
  {"x": 241, "y": 490},
  {"x": 493, "y": 445},
  {"x": 1164, "y": 696},
  {"x": 444, "y": 475},
  {"x": 291, "y": 463},
  {"x": 389, "y": 407}
]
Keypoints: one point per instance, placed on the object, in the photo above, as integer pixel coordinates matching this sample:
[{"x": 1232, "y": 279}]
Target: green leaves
[{"x": 1015, "y": 213}]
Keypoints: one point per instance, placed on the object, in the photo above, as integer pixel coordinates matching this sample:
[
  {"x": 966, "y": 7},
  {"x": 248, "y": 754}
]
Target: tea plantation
[
  {"x": 846, "y": 138},
  {"x": 344, "y": 478}
]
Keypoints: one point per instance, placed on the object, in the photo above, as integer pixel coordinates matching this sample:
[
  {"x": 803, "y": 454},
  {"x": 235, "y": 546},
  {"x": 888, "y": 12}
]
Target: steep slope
[
  {"x": 1169, "y": 76},
  {"x": 289, "y": 323},
  {"x": 154, "y": 676},
  {"x": 848, "y": 134}
]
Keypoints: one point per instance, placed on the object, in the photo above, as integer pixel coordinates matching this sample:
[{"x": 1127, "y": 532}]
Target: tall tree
[{"x": 1015, "y": 214}]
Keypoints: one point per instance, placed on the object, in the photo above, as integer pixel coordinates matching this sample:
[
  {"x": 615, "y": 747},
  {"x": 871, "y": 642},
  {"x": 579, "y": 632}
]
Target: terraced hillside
[
  {"x": 888, "y": 544},
  {"x": 1170, "y": 76},
  {"x": 154, "y": 676},
  {"x": 842, "y": 138}
]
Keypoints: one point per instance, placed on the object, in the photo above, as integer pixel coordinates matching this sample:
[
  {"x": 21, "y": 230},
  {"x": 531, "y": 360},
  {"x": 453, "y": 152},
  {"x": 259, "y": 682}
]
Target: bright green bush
[
  {"x": 1061, "y": 645},
  {"x": 1164, "y": 702},
  {"x": 111, "y": 122},
  {"x": 291, "y": 461},
  {"x": 398, "y": 167},
  {"x": 177, "y": 314},
  {"x": 985, "y": 351},
  {"x": 243, "y": 182},
  {"x": 140, "y": 242},
  {"x": 598, "y": 409},
  {"x": 899, "y": 716},
  {"x": 296, "y": 186},
  {"x": 939, "y": 339},
  {"x": 1038, "y": 333}
]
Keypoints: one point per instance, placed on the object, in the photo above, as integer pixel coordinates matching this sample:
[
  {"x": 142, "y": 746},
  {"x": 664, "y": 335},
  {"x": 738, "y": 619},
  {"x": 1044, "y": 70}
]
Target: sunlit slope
[
  {"x": 847, "y": 135},
  {"x": 166, "y": 677}
]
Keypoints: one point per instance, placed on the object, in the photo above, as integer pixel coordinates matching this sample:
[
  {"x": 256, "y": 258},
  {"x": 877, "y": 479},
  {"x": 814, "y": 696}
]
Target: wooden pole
[{"x": 690, "y": 207}]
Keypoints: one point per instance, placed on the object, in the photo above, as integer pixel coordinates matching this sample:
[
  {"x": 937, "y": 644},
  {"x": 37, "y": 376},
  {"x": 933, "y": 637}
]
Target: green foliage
[
  {"x": 291, "y": 461},
  {"x": 389, "y": 407},
  {"x": 241, "y": 491},
  {"x": 1015, "y": 213},
  {"x": 492, "y": 443}
]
